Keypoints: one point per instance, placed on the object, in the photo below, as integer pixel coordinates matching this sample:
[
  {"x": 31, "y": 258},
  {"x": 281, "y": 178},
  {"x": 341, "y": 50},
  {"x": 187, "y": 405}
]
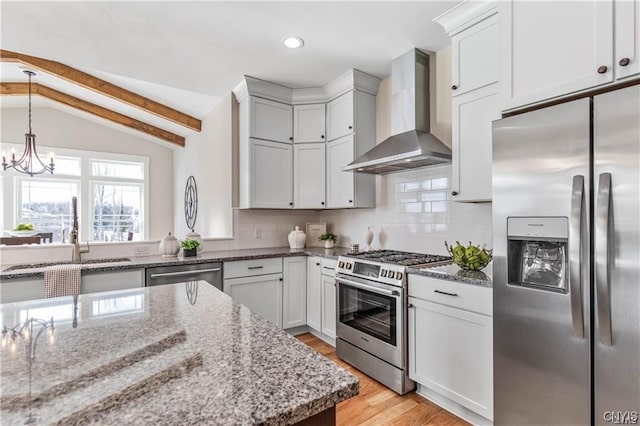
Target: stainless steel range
[{"x": 372, "y": 313}]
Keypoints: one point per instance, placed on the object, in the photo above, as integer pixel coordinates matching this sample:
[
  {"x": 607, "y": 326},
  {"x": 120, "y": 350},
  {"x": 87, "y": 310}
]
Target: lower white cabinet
[
  {"x": 451, "y": 349},
  {"x": 329, "y": 305},
  {"x": 262, "y": 294},
  {"x": 294, "y": 291},
  {"x": 314, "y": 293},
  {"x": 20, "y": 289}
]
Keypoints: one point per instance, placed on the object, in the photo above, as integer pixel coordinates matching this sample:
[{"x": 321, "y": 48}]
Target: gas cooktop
[{"x": 403, "y": 258}]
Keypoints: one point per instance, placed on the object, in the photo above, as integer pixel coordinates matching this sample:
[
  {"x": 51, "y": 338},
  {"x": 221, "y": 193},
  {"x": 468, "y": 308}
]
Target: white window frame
[{"x": 11, "y": 179}]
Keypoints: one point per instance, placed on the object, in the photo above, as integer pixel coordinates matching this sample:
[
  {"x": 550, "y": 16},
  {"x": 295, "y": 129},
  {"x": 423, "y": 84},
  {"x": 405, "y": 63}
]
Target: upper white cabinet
[
  {"x": 282, "y": 148},
  {"x": 309, "y": 123},
  {"x": 475, "y": 56},
  {"x": 475, "y": 40},
  {"x": 270, "y": 120},
  {"x": 294, "y": 291},
  {"x": 309, "y": 175},
  {"x": 270, "y": 175},
  {"x": 554, "y": 49},
  {"x": 340, "y": 116}
]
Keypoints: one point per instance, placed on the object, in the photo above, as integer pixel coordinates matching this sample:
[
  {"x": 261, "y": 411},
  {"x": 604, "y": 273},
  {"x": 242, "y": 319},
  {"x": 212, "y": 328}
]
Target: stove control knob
[
  {"x": 383, "y": 273},
  {"x": 399, "y": 275},
  {"x": 349, "y": 265},
  {"x": 340, "y": 264}
]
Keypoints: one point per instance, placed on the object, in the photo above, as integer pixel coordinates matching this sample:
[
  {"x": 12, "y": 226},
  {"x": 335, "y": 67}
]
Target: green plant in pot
[
  {"x": 189, "y": 247},
  {"x": 329, "y": 239}
]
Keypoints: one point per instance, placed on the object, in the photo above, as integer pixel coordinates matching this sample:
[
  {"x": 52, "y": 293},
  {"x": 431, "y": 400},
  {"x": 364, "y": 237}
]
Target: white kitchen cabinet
[
  {"x": 309, "y": 175},
  {"x": 294, "y": 291},
  {"x": 472, "y": 116},
  {"x": 94, "y": 282},
  {"x": 627, "y": 38},
  {"x": 270, "y": 120},
  {"x": 475, "y": 56},
  {"x": 269, "y": 175},
  {"x": 340, "y": 116},
  {"x": 329, "y": 305},
  {"x": 309, "y": 123},
  {"x": 451, "y": 341},
  {"x": 347, "y": 189},
  {"x": 314, "y": 293},
  {"x": 262, "y": 294},
  {"x": 551, "y": 49}
]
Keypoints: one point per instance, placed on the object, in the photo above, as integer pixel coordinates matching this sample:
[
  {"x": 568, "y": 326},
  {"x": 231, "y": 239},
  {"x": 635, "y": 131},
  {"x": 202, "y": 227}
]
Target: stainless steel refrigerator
[{"x": 566, "y": 214}]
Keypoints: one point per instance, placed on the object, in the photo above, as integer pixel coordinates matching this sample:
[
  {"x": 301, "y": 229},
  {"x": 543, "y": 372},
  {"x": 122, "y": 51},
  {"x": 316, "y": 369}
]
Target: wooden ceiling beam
[
  {"x": 97, "y": 110},
  {"x": 102, "y": 87}
]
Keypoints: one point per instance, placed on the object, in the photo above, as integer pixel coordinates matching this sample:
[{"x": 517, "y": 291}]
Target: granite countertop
[
  {"x": 453, "y": 272},
  {"x": 137, "y": 262},
  {"x": 174, "y": 354}
]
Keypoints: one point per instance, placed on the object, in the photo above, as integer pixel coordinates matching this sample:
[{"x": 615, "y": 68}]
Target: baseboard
[
  {"x": 296, "y": 331},
  {"x": 452, "y": 406}
]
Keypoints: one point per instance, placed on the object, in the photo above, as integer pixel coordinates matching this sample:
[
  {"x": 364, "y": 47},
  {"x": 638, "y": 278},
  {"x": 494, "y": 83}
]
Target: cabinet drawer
[
  {"x": 249, "y": 268},
  {"x": 329, "y": 266},
  {"x": 458, "y": 295}
]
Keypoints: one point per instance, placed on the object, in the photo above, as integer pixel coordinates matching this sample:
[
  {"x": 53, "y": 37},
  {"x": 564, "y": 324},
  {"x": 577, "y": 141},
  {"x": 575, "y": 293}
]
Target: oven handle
[{"x": 393, "y": 293}]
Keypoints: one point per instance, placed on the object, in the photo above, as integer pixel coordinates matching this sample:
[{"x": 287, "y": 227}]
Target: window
[{"x": 111, "y": 189}]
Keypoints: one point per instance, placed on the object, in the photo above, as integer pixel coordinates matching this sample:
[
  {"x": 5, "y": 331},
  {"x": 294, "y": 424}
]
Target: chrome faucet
[{"x": 76, "y": 253}]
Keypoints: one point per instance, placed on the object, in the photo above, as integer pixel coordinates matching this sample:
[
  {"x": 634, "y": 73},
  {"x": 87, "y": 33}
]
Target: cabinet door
[
  {"x": 554, "y": 48},
  {"x": 314, "y": 293},
  {"x": 451, "y": 352},
  {"x": 309, "y": 176},
  {"x": 270, "y": 120},
  {"x": 271, "y": 174},
  {"x": 261, "y": 294},
  {"x": 475, "y": 56},
  {"x": 340, "y": 113},
  {"x": 294, "y": 292},
  {"x": 308, "y": 123},
  {"x": 627, "y": 38},
  {"x": 340, "y": 185},
  {"x": 108, "y": 281},
  {"x": 329, "y": 306},
  {"x": 471, "y": 136}
]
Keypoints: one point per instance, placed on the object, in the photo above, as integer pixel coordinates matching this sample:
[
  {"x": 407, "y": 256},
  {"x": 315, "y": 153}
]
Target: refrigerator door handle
[
  {"x": 576, "y": 238},
  {"x": 603, "y": 255}
]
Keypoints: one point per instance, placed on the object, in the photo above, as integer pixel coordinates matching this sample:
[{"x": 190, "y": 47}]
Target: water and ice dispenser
[{"x": 537, "y": 252}]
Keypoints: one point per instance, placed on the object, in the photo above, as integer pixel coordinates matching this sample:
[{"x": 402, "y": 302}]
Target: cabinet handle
[
  {"x": 255, "y": 267},
  {"x": 454, "y": 193},
  {"x": 624, "y": 62},
  {"x": 322, "y": 203},
  {"x": 410, "y": 305},
  {"x": 350, "y": 127},
  {"x": 445, "y": 293},
  {"x": 279, "y": 279},
  {"x": 321, "y": 136},
  {"x": 317, "y": 264},
  {"x": 454, "y": 87},
  {"x": 602, "y": 69},
  {"x": 350, "y": 201},
  {"x": 290, "y": 138},
  {"x": 291, "y": 204}
]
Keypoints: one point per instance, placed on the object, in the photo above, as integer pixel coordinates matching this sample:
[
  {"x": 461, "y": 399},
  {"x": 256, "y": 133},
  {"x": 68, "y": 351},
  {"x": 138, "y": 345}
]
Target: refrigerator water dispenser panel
[{"x": 537, "y": 252}]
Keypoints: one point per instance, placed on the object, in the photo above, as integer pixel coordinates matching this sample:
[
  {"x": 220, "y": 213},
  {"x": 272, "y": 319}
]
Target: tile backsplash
[{"x": 415, "y": 213}]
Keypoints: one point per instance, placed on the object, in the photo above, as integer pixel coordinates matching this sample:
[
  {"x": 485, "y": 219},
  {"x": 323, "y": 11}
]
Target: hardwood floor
[{"x": 377, "y": 405}]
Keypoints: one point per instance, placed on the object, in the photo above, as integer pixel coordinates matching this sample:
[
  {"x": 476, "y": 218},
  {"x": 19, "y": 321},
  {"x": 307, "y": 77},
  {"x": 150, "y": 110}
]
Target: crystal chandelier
[{"x": 29, "y": 163}]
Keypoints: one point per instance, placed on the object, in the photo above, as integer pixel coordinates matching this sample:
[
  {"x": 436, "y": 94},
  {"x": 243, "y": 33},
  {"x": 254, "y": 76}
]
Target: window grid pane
[
  {"x": 119, "y": 169},
  {"x": 117, "y": 211},
  {"x": 69, "y": 166}
]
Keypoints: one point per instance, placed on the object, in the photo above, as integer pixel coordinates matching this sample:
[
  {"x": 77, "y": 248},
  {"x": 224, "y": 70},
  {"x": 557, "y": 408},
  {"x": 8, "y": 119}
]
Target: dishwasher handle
[{"x": 183, "y": 273}]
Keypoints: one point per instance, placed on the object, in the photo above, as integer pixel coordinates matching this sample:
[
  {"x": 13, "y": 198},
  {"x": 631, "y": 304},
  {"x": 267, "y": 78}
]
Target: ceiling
[{"x": 175, "y": 51}]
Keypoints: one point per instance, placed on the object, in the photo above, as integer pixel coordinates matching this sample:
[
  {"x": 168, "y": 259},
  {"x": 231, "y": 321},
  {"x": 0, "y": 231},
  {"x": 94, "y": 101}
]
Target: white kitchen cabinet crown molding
[
  {"x": 465, "y": 14},
  {"x": 352, "y": 79}
]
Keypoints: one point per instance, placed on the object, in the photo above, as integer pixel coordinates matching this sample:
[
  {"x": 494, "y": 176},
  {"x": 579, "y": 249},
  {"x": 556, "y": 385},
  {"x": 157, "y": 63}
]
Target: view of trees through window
[{"x": 116, "y": 211}]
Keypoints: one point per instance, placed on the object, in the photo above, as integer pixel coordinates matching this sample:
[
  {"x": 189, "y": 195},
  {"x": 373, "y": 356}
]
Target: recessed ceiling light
[{"x": 293, "y": 42}]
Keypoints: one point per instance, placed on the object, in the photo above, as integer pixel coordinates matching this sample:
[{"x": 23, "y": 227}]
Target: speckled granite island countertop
[
  {"x": 452, "y": 272},
  {"x": 178, "y": 354},
  {"x": 135, "y": 262}
]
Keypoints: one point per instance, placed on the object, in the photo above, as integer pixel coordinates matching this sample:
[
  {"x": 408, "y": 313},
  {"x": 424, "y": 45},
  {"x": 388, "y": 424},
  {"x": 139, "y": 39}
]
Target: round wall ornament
[{"x": 191, "y": 202}]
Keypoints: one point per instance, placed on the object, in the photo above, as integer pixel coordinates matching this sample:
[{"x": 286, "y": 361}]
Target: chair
[
  {"x": 130, "y": 236},
  {"x": 16, "y": 241},
  {"x": 45, "y": 237}
]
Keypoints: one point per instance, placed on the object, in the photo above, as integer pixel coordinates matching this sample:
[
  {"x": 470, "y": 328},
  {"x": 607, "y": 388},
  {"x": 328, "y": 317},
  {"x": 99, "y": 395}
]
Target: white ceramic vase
[
  {"x": 193, "y": 235},
  {"x": 297, "y": 238},
  {"x": 368, "y": 238},
  {"x": 169, "y": 246},
  {"x": 328, "y": 244}
]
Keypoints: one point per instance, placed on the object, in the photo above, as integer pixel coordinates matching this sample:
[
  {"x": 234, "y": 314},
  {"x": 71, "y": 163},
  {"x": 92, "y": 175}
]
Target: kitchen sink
[{"x": 84, "y": 262}]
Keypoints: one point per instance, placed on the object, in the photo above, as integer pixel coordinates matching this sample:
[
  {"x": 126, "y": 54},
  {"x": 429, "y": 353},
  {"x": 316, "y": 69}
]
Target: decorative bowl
[
  {"x": 471, "y": 257},
  {"x": 24, "y": 233}
]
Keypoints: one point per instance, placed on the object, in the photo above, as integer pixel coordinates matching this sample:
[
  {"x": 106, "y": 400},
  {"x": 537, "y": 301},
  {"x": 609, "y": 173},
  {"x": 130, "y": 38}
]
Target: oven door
[{"x": 370, "y": 317}]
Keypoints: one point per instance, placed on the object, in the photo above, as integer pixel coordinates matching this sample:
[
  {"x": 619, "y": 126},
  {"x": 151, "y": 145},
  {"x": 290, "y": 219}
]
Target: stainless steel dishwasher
[{"x": 209, "y": 272}]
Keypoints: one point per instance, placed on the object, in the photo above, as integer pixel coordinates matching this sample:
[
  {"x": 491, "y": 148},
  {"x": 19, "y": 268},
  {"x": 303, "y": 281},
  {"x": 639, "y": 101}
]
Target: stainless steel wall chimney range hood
[{"x": 412, "y": 145}]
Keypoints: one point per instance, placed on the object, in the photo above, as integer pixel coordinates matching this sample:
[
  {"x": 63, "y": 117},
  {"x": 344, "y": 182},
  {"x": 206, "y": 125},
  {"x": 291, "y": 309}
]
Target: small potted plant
[
  {"x": 189, "y": 247},
  {"x": 329, "y": 239}
]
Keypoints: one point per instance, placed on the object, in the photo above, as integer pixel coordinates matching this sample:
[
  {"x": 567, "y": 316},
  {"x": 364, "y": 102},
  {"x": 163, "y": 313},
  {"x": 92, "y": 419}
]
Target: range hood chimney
[{"x": 412, "y": 144}]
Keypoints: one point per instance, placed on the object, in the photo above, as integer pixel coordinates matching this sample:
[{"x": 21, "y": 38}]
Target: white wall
[{"x": 56, "y": 128}]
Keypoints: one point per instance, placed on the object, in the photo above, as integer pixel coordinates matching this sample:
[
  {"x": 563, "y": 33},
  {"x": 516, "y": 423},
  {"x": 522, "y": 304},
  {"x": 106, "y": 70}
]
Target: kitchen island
[{"x": 173, "y": 354}]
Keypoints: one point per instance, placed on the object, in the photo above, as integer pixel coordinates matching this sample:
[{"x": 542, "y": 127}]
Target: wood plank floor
[{"x": 377, "y": 405}]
